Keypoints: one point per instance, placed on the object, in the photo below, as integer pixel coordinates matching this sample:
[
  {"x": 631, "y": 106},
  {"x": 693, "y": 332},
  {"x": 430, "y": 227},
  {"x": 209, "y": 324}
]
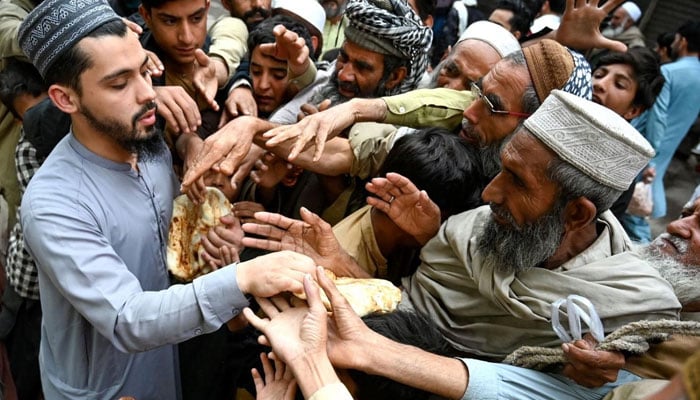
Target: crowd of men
[{"x": 489, "y": 165}]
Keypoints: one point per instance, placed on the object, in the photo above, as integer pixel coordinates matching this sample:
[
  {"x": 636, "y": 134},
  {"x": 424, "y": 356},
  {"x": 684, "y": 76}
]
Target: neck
[
  {"x": 572, "y": 244},
  {"x": 182, "y": 70},
  {"x": 335, "y": 20},
  {"x": 389, "y": 236},
  {"x": 101, "y": 144}
]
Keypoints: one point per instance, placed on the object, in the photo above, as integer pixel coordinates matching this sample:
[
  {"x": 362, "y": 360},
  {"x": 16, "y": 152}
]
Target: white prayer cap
[
  {"x": 592, "y": 138},
  {"x": 494, "y": 35},
  {"x": 310, "y": 11},
  {"x": 632, "y": 10}
]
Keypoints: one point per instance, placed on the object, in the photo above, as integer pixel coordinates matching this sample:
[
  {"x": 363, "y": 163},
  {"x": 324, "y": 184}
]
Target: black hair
[
  {"x": 404, "y": 327},
  {"x": 19, "y": 78},
  {"x": 262, "y": 33},
  {"x": 522, "y": 15},
  {"x": 425, "y": 8},
  {"x": 664, "y": 41},
  {"x": 148, "y": 4},
  {"x": 67, "y": 68},
  {"x": 557, "y": 6},
  {"x": 647, "y": 73},
  {"x": 440, "y": 163},
  {"x": 691, "y": 32}
]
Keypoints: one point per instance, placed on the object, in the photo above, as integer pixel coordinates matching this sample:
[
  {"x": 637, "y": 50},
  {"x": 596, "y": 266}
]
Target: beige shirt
[
  {"x": 355, "y": 234},
  {"x": 490, "y": 312}
]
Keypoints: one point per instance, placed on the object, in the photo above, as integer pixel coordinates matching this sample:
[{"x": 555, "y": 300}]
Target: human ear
[
  {"x": 396, "y": 77},
  {"x": 64, "y": 98},
  {"x": 579, "y": 213},
  {"x": 632, "y": 113}
]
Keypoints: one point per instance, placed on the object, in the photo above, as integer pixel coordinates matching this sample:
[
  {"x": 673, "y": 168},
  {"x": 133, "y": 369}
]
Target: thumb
[
  {"x": 325, "y": 104},
  {"x": 613, "y": 45},
  {"x": 201, "y": 57}
]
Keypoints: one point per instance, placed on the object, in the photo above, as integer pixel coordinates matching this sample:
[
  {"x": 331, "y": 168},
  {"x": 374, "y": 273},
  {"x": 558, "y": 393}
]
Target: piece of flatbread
[
  {"x": 191, "y": 222},
  {"x": 366, "y": 296}
]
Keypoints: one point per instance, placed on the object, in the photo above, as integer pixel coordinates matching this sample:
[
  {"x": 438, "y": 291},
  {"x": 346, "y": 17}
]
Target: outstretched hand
[
  {"x": 276, "y": 383},
  {"x": 409, "y": 208},
  {"x": 317, "y": 127},
  {"x": 312, "y": 236},
  {"x": 205, "y": 80},
  {"x": 288, "y": 46},
  {"x": 580, "y": 25}
]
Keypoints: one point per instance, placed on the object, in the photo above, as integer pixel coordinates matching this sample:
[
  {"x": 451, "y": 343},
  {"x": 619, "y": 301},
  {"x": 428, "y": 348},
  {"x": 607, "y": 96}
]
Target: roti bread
[
  {"x": 366, "y": 296},
  {"x": 189, "y": 223}
]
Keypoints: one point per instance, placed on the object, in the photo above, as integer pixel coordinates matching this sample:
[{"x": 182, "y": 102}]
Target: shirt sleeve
[
  {"x": 11, "y": 16},
  {"x": 656, "y": 123},
  {"x": 229, "y": 38},
  {"x": 425, "y": 108},
  {"x": 26, "y": 162},
  {"x": 333, "y": 391},
  {"x": 81, "y": 264}
]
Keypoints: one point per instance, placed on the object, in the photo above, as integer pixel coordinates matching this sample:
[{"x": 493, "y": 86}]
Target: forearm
[
  {"x": 222, "y": 70},
  {"x": 336, "y": 159},
  {"x": 313, "y": 372},
  {"x": 444, "y": 376}
]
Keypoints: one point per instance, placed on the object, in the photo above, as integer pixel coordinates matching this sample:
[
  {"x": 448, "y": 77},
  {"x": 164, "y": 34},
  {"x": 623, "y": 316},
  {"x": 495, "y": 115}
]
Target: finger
[
  {"x": 313, "y": 295},
  {"x": 268, "y": 308},
  {"x": 613, "y": 45},
  {"x": 262, "y": 339},
  {"x": 380, "y": 205},
  {"x": 263, "y": 244},
  {"x": 257, "y": 380},
  {"x": 154, "y": 64},
  {"x": 264, "y": 230},
  {"x": 336, "y": 299},
  {"x": 281, "y": 303},
  {"x": 267, "y": 368},
  {"x": 133, "y": 26},
  {"x": 610, "y": 5},
  {"x": 257, "y": 322},
  {"x": 280, "y": 370}
]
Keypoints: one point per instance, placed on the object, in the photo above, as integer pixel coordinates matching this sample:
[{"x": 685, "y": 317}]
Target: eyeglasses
[{"x": 476, "y": 91}]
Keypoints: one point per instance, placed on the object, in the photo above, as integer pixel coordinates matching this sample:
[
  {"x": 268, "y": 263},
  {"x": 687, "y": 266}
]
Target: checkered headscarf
[{"x": 390, "y": 27}]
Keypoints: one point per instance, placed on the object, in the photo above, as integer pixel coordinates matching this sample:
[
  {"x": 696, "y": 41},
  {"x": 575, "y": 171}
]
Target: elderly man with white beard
[{"x": 489, "y": 277}]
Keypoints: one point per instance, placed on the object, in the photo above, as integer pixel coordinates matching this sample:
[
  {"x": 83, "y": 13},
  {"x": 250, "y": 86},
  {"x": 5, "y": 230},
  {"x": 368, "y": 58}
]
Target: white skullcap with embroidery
[
  {"x": 592, "y": 138},
  {"x": 494, "y": 35}
]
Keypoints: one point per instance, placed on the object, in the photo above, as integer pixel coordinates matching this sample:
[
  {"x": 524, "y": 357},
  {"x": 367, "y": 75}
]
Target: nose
[
  {"x": 493, "y": 192},
  {"x": 600, "y": 84},
  {"x": 185, "y": 34},
  {"x": 470, "y": 112},
  {"x": 683, "y": 227},
  {"x": 256, "y": 3},
  {"x": 346, "y": 73},
  {"x": 146, "y": 93},
  {"x": 264, "y": 83}
]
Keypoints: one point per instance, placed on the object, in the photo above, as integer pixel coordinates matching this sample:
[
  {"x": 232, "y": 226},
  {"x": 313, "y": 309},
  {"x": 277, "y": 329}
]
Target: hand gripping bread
[{"x": 191, "y": 222}]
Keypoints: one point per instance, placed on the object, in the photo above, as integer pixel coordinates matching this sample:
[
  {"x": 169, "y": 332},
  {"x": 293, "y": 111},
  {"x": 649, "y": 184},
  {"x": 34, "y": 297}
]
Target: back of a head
[
  {"x": 552, "y": 66},
  {"x": 50, "y": 34},
  {"x": 263, "y": 32},
  {"x": 405, "y": 327},
  {"x": 691, "y": 32},
  {"x": 442, "y": 164},
  {"x": 664, "y": 40},
  {"x": 17, "y": 79},
  {"x": 522, "y": 15},
  {"x": 557, "y": 6},
  {"x": 647, "y": 73},
  {"x": 310, "y": 13}
]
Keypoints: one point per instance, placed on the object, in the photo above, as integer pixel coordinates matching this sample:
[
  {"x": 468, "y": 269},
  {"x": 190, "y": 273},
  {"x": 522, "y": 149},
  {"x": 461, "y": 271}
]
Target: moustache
[
  {"x": 145, "y": 109},
  {"x": 256, "y": 11}
]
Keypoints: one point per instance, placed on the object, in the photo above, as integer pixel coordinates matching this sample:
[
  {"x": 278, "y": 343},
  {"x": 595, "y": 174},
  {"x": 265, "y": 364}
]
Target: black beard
[
  {"x": 147, "y": 147},
  {"x": 514, "y": 249},
  {"x": 253, "y": 12},
  {"x": 329, "y": 91}
]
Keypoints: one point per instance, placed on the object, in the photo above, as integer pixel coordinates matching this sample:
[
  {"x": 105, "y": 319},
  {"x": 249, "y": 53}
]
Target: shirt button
[
  {"x": 197, "y": 331},
  {"x": 236, "y": 311},
  {"x": 402, "y": 109}
]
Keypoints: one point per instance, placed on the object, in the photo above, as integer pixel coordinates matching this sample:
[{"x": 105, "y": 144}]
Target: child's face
[
  {"x": 269, "y": 81},
  {"x": 615, "y": 86}
]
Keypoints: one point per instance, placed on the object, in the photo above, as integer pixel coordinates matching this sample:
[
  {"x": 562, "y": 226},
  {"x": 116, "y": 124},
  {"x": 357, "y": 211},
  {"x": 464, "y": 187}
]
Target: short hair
[
  {"x": 529, "y": 102},
  {"x": 148, "y": 4},
  {"x": 67, "y": 68},
  {"x": 262, "y": 33},
  {"x": 405, "y": 327},
  {"x": 522, "y": 15},
  {"x": 647, "y": 73},
  {"x": 572, "y": 183},
  {"x": 425, "y": 8},
  {"x": 440, "y": 163},
  {"x": 691, "y": 32},
  {"x": 664, "y": 41},
  {"x": 19, "y": 78},
  {"x": 557, "y": 6}
]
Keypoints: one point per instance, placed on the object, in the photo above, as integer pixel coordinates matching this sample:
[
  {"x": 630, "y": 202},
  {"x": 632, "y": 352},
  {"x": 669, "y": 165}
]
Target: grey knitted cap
[{"x": 55, "y": 26}]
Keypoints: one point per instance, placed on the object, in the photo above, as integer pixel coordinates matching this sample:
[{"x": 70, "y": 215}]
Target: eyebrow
[
  {"x": 162, "y": 14},
  {"x": 124, "y": 71}
]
